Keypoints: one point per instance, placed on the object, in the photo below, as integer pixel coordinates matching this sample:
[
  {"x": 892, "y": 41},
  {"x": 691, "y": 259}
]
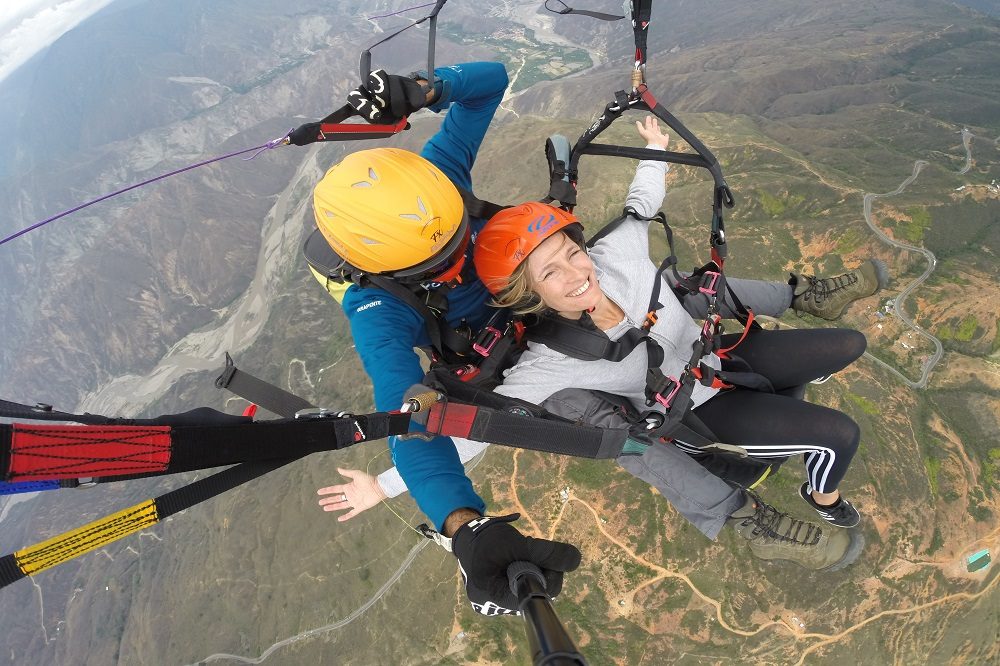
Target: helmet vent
[
  {"x": 410, "y": 216},
  {"x": 369, "y": 241},
  {"x": 421, "y": 206},
  {"x": 372, "y": 174},
  {"x": 363, "y": 183}
]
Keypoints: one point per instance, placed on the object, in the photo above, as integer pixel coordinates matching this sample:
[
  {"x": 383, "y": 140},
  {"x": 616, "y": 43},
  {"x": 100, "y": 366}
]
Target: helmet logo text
[{"x": 542, "y": 224}]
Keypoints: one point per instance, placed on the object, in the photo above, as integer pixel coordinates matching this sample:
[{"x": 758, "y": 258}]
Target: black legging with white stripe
[{"x": 772, "y": 425}]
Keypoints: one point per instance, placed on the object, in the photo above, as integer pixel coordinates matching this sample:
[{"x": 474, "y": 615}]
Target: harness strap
[
  {"x": 582, "y": 339},
  {"x": 259, "y": 392},
  {"x": 478, "y": 207},
  {"x": 446, "y": 342},
  {"x": 641, "y": 11},
  {"x": 46, "y": 452},
  {"x": 44, "y": 412},
  {"x": 34, "y": 559},
  {"x": 475, "y": 413}
]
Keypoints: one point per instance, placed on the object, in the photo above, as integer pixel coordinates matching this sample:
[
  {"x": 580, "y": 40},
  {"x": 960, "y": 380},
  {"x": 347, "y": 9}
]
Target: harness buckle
[
  {"x": 709, "y": 282},
  {"x": 667, "y": 400},
  {"x": 314, "y": 413},
  {"x": 487, "y": 339}
]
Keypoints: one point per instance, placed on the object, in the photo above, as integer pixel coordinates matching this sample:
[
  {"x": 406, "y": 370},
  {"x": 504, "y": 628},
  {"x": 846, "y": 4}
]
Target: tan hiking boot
[
  {"x": 829, "y": 297},
  {"x": 777, "y": 536}
]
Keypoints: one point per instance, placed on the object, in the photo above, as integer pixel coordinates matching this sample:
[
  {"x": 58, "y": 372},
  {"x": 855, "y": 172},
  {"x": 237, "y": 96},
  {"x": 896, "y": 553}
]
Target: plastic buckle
[
  {"x": 667, "y": 400},
  {"x": 711, "y": 279},
  {"x": 485, "y": 349},
  {"x": 86, "y": 482}
]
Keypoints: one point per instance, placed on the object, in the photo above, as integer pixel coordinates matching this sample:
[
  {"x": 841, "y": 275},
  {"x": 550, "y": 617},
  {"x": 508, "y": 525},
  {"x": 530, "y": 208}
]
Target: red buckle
[
  {"x": 709, "y": 290},
  {"x": 485, "y": 350},
  {"x": 467, "y": 373},
  {"x": 667, "y": 400}
]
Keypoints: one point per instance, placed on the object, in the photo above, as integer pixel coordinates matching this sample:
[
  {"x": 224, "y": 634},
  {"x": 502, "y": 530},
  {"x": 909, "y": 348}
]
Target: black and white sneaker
[{"x": 841, "y": 514}]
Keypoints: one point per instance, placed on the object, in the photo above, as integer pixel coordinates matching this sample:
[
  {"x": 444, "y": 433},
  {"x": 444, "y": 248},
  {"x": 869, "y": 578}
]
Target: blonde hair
[{"x": 519, "y": 294}]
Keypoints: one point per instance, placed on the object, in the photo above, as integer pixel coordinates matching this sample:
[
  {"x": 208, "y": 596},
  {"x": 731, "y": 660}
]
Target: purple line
[
  {"x": 401, "y": 11},
  {"x": 273, "y": 143}
]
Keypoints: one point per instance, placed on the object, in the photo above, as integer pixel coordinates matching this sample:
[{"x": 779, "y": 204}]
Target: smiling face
[{"x": 563, "y": 276}]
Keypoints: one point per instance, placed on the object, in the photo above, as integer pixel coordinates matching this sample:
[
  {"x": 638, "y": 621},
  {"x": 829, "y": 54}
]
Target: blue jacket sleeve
[
  {"x": 473, "y": 91},
  {"x": 385, "y": 332}
]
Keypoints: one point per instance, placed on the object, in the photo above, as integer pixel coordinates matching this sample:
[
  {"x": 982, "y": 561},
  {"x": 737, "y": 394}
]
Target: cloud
[{"x": 29, "y": 26}]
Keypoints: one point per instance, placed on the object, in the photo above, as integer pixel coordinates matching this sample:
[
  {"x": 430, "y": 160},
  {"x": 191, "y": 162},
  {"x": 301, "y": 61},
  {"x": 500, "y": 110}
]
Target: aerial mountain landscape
[{"x": 846, "y": 130}]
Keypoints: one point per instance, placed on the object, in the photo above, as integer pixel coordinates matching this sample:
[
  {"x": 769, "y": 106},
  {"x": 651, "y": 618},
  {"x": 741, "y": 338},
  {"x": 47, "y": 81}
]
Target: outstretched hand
[
  {"x": 650, "y": 131},
  {"x": 360, "y": 494}
]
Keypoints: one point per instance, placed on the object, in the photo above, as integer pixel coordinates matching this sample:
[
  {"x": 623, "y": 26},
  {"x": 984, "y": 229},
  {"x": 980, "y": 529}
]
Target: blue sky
[{"x": 28, "y": 26}]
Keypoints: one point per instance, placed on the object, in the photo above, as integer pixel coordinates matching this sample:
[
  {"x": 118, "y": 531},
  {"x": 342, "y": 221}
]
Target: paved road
[{"x": 901, "y": 298}]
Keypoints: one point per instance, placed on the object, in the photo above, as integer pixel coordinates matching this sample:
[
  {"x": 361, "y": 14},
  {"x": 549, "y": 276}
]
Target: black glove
[
  {"x": 486, "y": 546},
  {"x": 387, "y": 98},
  {"x": 305, "y": 134}
]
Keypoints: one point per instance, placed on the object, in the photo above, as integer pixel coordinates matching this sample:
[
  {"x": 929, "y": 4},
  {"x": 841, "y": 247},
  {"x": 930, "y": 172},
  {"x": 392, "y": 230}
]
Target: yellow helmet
[{"x": 391, "y": 212}]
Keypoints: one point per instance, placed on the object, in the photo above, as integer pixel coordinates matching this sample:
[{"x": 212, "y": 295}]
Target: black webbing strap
[
  {"x": 201, "y": 447},
  {"x": 201, "y": 490},
  {"x": 43, "y": 412},
  {"x": 524, "y": 431},
  {"x": 477, "y": 413},
  {"x": 477, "y": 207},
  {"x": 641, "y": 12},
  {"x": 173, "y": 502},
  {"x": 566, "y": 9},
  {"x": 582, "y": 339},
  {"x": 259, "y": 392},
  {"x": 9, "y": 571},
  {"x": 446, "y": 342}
]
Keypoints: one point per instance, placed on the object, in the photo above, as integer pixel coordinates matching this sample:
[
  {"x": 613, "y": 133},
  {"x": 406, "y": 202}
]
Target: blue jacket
[{"x": 386, "y": 330}]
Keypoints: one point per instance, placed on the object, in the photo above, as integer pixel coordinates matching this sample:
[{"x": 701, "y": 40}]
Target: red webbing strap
[
  {"x": 452, "y": 419},
  {"x": 361, "y": 128},
  {"x": 724, "y": 353},
  {"x": 716, "y": 382},
  {"x": 45, "y": 452}
]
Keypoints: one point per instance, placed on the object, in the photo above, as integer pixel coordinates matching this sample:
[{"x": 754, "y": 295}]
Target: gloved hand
[
  {"x": 387, "y": 98},
  {"x": 486, "y": 546},
  {"x": 305, "y": 134}
]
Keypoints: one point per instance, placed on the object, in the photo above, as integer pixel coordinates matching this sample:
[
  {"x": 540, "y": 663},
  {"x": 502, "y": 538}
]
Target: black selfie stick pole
[{"x": 550, "y": 643}]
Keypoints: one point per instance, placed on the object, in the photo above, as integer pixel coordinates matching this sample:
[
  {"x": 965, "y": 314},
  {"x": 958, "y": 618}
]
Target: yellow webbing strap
[
  {"x": 767, "y": 473},
  {"x": 84, "y": 539}
]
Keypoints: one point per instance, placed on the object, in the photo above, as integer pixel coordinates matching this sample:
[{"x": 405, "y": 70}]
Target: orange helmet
[
  {"x": 511, "y": 235},
  {"x": 391, "y": 212}
]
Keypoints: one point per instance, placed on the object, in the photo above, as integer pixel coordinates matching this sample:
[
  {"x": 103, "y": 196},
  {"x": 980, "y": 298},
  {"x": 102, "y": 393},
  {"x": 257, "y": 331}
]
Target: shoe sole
[
  {"x": 854, "y": 548},
  {"x": 881, "y": 274},
  {"x": 852, "y": 553}
]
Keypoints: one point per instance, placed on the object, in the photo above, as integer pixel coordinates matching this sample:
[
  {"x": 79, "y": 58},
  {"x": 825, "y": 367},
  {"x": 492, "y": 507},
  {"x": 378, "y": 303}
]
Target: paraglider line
[
  {"x": 273, "y": 143},
  {"x": 401, "y": 11}
]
